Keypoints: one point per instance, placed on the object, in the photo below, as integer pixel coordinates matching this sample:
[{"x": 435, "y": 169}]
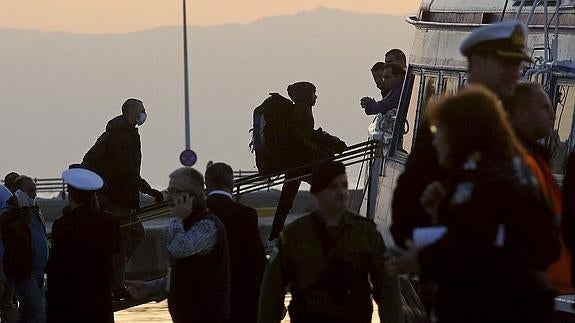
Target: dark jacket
[
  {"x": 420, "y": 170},
  {"x": 302, "y": 149},
  {"x": 247, "y": 258},
  {"x": 200, "y": 284},
  {"x": 121, "y": 164},
  {"x": 568, "y": 218},
  {"x": 24, "y": 240},
  {"x": 332, "y": 273},
  {"x": 500, "y": 239},
  {"x": 390, "y": 101},
  {"x": 80, "y": 266}
]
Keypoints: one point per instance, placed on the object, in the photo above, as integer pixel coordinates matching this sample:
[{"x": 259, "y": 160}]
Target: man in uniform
[
  {"x": 332, "y": 260},
  {"x": 495, "y": 54}
]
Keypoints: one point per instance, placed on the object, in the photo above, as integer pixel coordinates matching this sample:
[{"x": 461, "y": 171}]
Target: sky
[{"x": 117, "y": 16}]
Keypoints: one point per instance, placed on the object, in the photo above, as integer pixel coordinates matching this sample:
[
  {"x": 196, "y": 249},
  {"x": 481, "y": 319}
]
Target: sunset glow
[{"x": 112, "y": 16}]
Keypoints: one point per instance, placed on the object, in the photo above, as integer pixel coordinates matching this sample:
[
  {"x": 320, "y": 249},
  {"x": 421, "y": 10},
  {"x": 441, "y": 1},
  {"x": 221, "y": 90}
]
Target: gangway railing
[
  {"x": 362, "y": 152},
  {"x": 358, "y": 153}
]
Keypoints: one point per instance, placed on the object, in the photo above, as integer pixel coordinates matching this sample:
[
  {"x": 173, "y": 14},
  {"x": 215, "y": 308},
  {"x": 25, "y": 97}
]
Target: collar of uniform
[
  {"x": 345, "y": 218},
  {"x": 220, "y": 192}
]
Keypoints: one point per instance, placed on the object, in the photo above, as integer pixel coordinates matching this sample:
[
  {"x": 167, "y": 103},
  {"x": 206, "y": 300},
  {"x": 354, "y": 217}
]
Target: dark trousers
[
  {"x": 132, "y": 234},
  {"x": 285, "y": 203}
]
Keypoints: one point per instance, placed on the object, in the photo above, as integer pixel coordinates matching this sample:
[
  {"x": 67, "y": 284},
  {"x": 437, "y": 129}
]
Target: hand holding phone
[{"x": 183, "y": 206}]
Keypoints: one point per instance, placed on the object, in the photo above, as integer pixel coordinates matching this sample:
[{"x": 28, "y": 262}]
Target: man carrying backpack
[
  {"x": 306, "y": 145},
  {"x": 117, "y": 158}
]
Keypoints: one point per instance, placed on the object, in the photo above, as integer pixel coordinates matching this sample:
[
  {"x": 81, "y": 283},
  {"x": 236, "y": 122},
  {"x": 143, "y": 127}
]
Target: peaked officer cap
[
  {"x": 505, "y": 39},
  {"x": 82, "y": 179}
]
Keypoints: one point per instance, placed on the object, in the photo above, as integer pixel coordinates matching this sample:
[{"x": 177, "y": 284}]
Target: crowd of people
[{"x": 477, "y": 170}]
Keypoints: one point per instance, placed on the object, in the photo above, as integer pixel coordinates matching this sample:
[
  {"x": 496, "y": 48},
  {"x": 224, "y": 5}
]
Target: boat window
[
  {"x": 560, "y": 141},
  {"x": 430, "y": 91},
  {"x": 406, "y": 137},
  {"x": 450, "y": 85}
]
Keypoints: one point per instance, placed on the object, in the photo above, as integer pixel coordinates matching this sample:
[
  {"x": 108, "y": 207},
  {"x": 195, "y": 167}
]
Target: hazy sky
[{"x": 103, "y": 16}]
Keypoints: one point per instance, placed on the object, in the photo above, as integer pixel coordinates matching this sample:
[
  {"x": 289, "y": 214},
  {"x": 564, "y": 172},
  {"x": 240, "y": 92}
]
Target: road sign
[{"x": 188, "y": 157}]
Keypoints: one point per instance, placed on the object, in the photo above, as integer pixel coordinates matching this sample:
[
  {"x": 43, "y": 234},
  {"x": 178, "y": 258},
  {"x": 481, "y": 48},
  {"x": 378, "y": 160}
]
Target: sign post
[{"x": 188, "y": 158}]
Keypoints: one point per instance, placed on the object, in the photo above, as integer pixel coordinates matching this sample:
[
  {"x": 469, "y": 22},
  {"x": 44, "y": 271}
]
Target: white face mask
[
  {"x": 23, "y": 199},
  {"x": 141, "y": 118}
]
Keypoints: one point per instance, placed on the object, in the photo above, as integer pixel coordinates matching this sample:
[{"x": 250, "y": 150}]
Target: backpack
[
  {"x": 94, "y": 159},
  {"x": 270, "y": 138}
]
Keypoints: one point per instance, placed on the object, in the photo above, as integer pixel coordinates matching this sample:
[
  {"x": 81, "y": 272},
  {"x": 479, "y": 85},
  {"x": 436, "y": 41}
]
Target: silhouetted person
[
  {"x": 377, "y": 73},
  {"x": 302, "y": 149},
  {"x": 332, "y": 261},
  {"x": 9, "y": 180},
  {"x": 117, "y": 158},
  {"x": 501, "y": 237},
  {"x": 247, "y": 258},
  {"x": 393, "y": 76},
  {"x": 396, "y": 56},
  {"x": 199, "y": 282},
  {"x": 8, "y": 310},
  {"x": 84, "y": 239},
  {"x": 494, "y": 53},
  {"x": 26, "y": 249}
]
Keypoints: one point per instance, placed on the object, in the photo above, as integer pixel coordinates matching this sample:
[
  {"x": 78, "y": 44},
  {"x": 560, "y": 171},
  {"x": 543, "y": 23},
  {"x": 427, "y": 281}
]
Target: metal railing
[
  {"x": 51, "y": 185},
  {"x": 362, "y": 152}
]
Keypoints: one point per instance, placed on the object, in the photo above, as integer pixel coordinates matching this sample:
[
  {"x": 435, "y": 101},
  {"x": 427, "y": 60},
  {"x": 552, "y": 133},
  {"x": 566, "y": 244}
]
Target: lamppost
[
  {"x": 188, "y": 157},
  {"x": 186, "y": 85}
]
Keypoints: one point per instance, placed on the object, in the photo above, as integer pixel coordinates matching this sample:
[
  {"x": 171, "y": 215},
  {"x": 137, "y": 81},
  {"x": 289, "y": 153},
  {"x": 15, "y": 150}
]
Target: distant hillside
[{"x": 58, "y": 90}]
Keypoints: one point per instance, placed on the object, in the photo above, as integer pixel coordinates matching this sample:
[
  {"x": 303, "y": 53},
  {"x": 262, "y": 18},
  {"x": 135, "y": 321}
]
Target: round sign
[{"x": 188, "y": 157}]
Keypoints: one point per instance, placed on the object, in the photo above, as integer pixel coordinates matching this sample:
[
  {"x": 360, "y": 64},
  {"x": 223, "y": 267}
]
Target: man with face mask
[
  {"x": 25, "y": 249},
  {"x": 117, "y": 160}
]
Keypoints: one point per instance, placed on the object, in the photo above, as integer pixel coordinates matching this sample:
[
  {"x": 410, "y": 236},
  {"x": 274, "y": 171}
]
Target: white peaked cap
[
  {"x": 5, "y": 194},
  {"x": 83, "y": 179}
]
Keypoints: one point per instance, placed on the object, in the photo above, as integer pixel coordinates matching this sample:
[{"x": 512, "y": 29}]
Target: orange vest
[{"x": 558, "y": 272}]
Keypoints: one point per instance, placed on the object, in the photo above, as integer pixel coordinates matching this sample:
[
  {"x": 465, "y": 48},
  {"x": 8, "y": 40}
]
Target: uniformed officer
[
  {"x": 495, "y": 54},
  {"x": 84, "y": 240},
  {"x": 332, "y": 260}
]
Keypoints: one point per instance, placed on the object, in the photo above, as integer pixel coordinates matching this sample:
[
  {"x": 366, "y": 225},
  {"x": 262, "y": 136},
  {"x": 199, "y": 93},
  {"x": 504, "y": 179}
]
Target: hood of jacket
[{"x": 120, "y": 123}]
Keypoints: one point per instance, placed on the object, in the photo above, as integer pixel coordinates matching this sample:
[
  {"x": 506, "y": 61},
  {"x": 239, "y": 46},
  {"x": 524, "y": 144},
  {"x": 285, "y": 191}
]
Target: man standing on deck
[
  {"x": 117, "y": 158},
  {"x": 247, "y": 258},
  {"x": 393, "y": 75},
  {"x": 377, "y": 73},
  {"x": 495, "y": 54},
  {"x": 396, "y": 56}
]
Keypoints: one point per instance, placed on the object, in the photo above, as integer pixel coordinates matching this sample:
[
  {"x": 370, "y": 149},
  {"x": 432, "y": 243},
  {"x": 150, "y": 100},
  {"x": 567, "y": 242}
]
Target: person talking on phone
[
  {"x": 25, "y": 249},
  {"x": 199, "y": 280}
]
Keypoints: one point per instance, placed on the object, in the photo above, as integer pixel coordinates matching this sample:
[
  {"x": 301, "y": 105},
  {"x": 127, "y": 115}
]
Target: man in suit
[{"x": 247, "y": 258}]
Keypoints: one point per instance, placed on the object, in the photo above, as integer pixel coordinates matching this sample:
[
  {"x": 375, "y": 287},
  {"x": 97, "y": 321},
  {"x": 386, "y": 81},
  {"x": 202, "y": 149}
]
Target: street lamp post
[{"x": 186, "y": 85}]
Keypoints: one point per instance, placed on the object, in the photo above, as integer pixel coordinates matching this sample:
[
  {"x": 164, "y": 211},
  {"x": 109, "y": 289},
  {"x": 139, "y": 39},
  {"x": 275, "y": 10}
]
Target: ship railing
[{"x": 358, "y": 153}]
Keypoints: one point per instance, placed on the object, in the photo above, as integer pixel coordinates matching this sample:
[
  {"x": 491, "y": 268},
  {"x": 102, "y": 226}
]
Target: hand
[
  {"x": 183, "y": 206},
  {"x": 137, "y": 288},
  {"x": 157, "y": 195},
  {"x": 365, "y": 101},
  {"x": 431, "y": 197},
  {"x": 405, "y": 263}
]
